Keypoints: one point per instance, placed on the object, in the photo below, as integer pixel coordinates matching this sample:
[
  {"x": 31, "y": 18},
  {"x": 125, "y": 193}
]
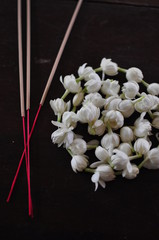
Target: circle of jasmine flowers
[{"x": 120, "y": 119}]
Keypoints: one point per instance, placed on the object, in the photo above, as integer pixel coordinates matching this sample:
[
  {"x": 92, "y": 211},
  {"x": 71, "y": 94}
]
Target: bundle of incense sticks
[{"x": 26, "y": 151}]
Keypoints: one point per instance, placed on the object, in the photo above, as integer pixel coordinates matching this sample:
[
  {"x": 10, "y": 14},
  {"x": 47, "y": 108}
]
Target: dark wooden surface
[
  {"x": 65, "y": 204},
  {"x": 130, "y": 2}
]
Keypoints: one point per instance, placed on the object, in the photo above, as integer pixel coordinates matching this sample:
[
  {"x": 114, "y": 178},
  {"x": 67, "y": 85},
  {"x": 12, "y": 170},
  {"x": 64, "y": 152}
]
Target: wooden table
[{"x": 65, "y": 204}]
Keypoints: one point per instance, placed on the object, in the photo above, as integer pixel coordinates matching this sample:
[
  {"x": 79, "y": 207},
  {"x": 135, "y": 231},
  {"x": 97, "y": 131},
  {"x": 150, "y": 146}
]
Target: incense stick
[
  {"x": 30, "y": 207},
  {"x": 60, "y": 51},
  {"x": 22, "y": 157},
  {"x": 21, "y": 84},
  {"x": 48, "y": 84}
]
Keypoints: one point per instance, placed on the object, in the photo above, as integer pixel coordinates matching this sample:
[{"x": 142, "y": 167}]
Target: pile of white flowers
[{"x": 105, "y": 106}]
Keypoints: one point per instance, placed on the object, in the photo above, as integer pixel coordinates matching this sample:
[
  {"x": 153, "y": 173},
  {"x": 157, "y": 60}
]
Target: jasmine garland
[{"x": 104, "y": 105}]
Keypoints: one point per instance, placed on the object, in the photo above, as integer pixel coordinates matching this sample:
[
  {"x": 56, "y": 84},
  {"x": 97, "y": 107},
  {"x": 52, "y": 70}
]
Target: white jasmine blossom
[
  {"x": 69, "y": 119},
  {"x": 110, "y": 141},
  {"x": 126, "y": 134},
  {"x": 142, "y": 146},
  {"x": 79, "y": 163},
  {"x": 71, "y": 84},
  {"x": 126, "y": 148},
  {"x": 156, "y": 107},
  {"x": 78, "y": 146},
  {"x": 95, "y": 98},
  {"x": 154, "y": 114},
  {"x": 85, "y": 72},
  {"x": 156, "y": 103},
  {"x": 88, "y": 113},
  {"x": 152, "y": 159},
  {"x": 120, "y": 161},
  {"x": 153, "y": 88},
  {"x": 94, "y": 84},
  {"x": 110, "y": 87},
  {"x": 155, "y": 122},
  {"x": 130, "y": 89},
  {"x": 146, "y": 104},
  {"x": 63, "y": 135},
  {"x": 113, "y": 104},
  {"x": 92, "y": 144},
  {"x": 101, "y": 153},
  {"x": 131, "y": 175},
  {"x": 114, "y": 118},
  {"x": 110, "y": 68},
  {"x": 98, "y": 128},
  {"x": 126, "y": 107},
  {"x": 142, "y": 127},
  {"x": 59, "y": 106},
  {"x": 134, "y": 74},
  {"x": 77, "y": 99},
  {"x": 108, "y": 101},
  {"x": 103, "y": 173}
]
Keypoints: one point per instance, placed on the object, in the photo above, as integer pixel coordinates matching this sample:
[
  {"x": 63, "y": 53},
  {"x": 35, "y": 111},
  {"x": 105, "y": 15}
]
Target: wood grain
[{"x": 65, "y": 204}]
